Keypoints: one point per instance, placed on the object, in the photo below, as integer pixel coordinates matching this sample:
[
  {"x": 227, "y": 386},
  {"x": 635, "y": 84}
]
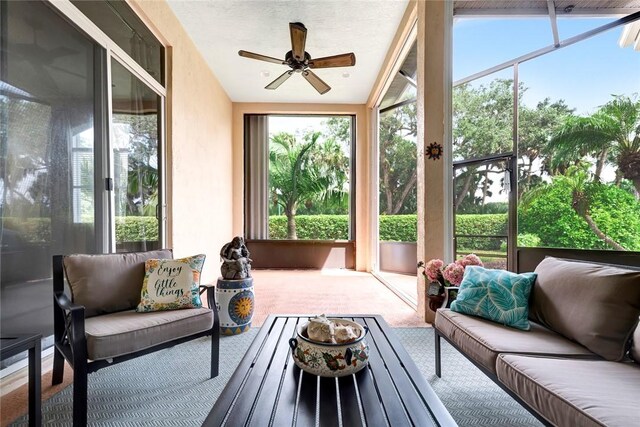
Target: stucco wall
[{"x": 199, "y": 144}]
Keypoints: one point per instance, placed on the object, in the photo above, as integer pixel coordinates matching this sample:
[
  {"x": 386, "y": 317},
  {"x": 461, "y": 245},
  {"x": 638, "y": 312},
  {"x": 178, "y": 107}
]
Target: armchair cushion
[
  {"x": 108, "y": 283},
  {"x": 126, "y": 332}
]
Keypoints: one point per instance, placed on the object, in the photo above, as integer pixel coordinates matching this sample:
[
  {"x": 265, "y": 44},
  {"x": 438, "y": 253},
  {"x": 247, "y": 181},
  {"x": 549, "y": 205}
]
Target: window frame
[
  {"x": 352, "y": 175},
  {"x": 513, "y": 156}
]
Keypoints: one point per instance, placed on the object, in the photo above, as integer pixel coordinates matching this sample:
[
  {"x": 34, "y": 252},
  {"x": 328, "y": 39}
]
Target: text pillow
[
  {"x": 171, "y": 284},
  {"x": 596, "y": 305},
  {"x": 497, "y": 295}
]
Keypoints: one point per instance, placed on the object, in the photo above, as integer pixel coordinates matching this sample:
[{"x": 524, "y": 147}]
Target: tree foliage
[
  {"x": 610, "y": 135},
  {"x": 308, "y": 171},
  {"x": 398, "y": 157},
  {"x": 554, "y": 215}
]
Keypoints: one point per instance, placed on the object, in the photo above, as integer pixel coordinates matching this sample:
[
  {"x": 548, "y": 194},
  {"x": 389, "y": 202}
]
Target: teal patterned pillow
[{"x": 496, "y": 295}]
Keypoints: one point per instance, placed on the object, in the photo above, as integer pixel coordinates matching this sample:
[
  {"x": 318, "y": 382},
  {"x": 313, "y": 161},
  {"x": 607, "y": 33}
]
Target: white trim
[
  {"x": 374, "y": 190},
  {"x": 110, "y": 159},
  {"x": 162, "y": 174},
  {"x": 543, "y": 12},
  {"x": 398, "y": 60},
  {"x": 447, "y": 155},
  {"x": 67, "y": 9},
  {"x": 551, "y": 5}
]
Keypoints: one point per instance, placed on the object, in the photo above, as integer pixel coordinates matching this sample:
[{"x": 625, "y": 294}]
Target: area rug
[{"x": 171, "y": 387}]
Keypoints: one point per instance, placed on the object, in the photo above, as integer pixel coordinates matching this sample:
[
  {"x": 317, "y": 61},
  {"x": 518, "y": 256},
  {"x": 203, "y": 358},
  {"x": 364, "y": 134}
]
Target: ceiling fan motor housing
[{"x": 295, "y": 64}]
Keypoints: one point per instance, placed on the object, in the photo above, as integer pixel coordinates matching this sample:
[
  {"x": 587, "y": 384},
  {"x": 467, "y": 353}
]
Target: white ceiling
[{"x": 219, "y": 28}]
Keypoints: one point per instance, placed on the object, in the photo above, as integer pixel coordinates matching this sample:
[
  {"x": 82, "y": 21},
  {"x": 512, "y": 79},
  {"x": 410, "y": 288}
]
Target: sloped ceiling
[{"x": 220, "y": 28}]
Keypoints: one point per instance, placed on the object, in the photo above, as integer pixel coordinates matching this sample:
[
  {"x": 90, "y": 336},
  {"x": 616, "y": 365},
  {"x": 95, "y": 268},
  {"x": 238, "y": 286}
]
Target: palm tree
[
  {"x": 612, "y": 132},
  {"x": 295, "y": 176},
  {"x": 577, "y": 179}
]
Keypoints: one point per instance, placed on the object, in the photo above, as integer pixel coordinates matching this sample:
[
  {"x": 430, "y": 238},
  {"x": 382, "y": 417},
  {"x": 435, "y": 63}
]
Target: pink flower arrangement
[
  {"x": 433, "y": 269},
  {"x": 452, "y": 273}
]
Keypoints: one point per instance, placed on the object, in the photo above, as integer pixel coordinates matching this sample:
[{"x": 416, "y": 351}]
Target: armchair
[{"x": 99, "y": 327}]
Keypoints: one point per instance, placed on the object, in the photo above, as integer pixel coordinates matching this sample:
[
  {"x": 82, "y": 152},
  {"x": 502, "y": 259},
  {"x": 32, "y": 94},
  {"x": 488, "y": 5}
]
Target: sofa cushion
[
  {"x": 596, "y": 305},
  {"x": 635, "y": 345},
  {"x": 483, "y": 340},
  {"x": 571, "y": 392},
  {"x": 125, "y": 332},
  {"x": 108, "y": 283},
  {"x": 171, "y": 284},
  {"x": 498, "y": 295}
]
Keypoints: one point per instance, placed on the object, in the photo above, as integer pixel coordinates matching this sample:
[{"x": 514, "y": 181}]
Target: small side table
[{"x": 12, "y": 345}]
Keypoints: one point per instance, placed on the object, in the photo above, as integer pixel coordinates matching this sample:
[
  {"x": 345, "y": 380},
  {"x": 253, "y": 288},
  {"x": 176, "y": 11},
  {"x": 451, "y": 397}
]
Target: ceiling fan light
[{"x": 265, "y": 73}]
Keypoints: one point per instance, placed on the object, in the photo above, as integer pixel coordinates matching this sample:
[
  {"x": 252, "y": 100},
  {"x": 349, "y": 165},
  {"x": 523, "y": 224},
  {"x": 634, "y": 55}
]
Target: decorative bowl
[{"x": 330, "y": 360}]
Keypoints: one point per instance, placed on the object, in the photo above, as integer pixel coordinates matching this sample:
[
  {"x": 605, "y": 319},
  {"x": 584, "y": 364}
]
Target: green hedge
[
  {"x": 136, "y": 229},
  {"x": 128, "y": 229},
  {"x": 398, "y": 228},
  {"x": 311, "y": 227},
  {"x": 393, "y": 228},
  {"x": 486, "y": 224}
]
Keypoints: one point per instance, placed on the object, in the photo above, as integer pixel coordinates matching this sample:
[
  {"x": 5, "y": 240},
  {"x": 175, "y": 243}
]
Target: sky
[{"x": 585, "y": 74}]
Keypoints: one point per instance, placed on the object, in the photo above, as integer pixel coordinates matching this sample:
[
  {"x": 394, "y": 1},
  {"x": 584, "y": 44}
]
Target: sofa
[
  {"x": 579, "y": 364},
  {"x": 96, "y": 324}
]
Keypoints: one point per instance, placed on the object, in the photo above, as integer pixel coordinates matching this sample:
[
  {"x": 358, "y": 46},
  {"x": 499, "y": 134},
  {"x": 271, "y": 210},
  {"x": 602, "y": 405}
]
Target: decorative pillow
[
  {"x": 596, "y": 305},
  {"x": 171, "y": 284},
  {"x": 108, "y": 283},
  {"x": 498, "y": 295}
]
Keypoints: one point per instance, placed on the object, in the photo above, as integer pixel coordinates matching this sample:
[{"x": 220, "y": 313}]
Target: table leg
[{"x": 35, "y": 396}]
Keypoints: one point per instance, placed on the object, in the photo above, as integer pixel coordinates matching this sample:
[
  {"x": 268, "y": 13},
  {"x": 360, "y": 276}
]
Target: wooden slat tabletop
[{"x": 268, "y": 389}]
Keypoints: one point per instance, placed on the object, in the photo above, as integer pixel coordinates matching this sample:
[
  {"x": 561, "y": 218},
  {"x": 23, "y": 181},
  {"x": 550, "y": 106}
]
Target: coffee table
[{"x": 268, "y": 389}]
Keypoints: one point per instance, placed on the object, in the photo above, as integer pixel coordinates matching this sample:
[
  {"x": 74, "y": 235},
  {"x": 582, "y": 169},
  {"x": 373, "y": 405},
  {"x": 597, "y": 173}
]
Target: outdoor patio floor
[{"x": 329, "y": 292}]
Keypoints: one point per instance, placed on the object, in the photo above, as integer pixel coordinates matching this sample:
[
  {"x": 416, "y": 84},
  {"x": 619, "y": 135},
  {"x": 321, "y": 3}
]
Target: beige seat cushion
[
  {"x": 108, "y": 283},
  {"x": 596, "y": 305},
  {"x": 125, "y": 332},
  {"x": 483, "y": 340},
  {"x": 571, "y": 392}
]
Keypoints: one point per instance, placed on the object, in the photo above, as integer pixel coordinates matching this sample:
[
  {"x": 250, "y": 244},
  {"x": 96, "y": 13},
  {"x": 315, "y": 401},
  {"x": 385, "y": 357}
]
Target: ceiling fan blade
[
  {"x": 277, "y": 82},
  {"x": 343, "y": 60},
  {"x": 259, "y": 57},
  {"x": 298, "y": 39},
  {"x": 316, "y": 82}
]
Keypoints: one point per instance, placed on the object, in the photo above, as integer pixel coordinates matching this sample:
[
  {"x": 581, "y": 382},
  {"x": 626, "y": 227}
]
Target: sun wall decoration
[{"x": 434, "y": 151}]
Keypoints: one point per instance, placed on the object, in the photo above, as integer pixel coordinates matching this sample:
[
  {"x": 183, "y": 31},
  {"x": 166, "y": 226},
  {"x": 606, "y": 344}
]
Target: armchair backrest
[{"x": 105, "y": 283}]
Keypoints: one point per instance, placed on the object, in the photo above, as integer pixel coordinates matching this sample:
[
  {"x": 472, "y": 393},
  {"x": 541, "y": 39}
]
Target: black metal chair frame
[
  {"x": 71, "y": 343},
  {"x": 485, "y": 371}
]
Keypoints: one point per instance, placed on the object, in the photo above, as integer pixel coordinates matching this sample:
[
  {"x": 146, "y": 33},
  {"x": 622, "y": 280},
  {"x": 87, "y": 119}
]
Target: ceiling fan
[{"x": 300, "y": 61}]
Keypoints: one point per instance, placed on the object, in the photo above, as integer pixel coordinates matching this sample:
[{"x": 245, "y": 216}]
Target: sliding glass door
[
  {"x": 80, "y": 149},
  {"x": 48, "y": 158},
  {"x": 135, "y": 132}
]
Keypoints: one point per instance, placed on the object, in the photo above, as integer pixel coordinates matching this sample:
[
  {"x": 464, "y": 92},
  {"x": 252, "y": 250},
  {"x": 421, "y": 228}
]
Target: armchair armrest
[
  {"x": 66, "y": 304},
  {"x": 210, "y": 289},
  {"x": 74, "y": 329}
]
